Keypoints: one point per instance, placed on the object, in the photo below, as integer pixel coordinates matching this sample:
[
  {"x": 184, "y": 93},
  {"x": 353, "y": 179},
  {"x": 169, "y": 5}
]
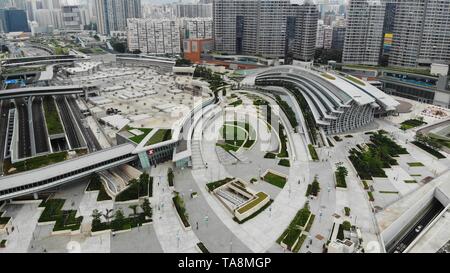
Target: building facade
[
  {"x": 13, "y": 20},
  {"x": 421, "y": 33},
  {"x": 72, "y": 18},
  {"x": 364, "y": 32},
  {"x": 154, "y": 36},
  {"x": 196, "y": 28},
  {"x": 193, "y": 10},
  {"x": 336, "y": 103},
  {"x": 271, "y": 28},
  {"x": 112, "y": 15}
]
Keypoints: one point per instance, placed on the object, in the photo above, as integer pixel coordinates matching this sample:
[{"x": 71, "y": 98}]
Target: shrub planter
[
  {"x": 121, "y": 231},
  {"x": 100, "y": 232}
]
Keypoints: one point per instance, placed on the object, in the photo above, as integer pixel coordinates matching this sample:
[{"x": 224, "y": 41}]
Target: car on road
[{"x": 418, "y": 228}]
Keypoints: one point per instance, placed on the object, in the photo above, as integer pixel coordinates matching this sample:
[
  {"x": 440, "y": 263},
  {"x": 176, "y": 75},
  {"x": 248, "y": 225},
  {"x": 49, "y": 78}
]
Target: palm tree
[
  {"x": 96, "y": 215},
  {"x": 134, "y": 208},
  {"x": 108, "y": 215}
]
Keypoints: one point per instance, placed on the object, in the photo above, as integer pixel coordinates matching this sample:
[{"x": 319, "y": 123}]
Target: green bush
[
  {"x": 275, "y": 180},
  {"x": 202, "y": 247},
  {"x": 428, "y": 149},
  {"x": 170, "y": 177},
  {"x": 370, "y": 196},
  {"x": 346, "y": 225},
  {"x": 284, "y": 162},
  {"x": 313, "y": 152},
  {"x": 213, "y": 185},
  {"x": 138, "y": 188},
  {"x": 347, "y": 211},
  {"x": 181, "y": 210},
  {"x": 270, "y": 155},
  {"x": 340, "y": 180}
]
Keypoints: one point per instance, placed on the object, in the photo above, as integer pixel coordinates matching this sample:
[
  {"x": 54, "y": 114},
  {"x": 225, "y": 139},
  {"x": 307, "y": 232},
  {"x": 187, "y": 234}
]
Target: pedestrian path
[{"x": 171, "y": 235}]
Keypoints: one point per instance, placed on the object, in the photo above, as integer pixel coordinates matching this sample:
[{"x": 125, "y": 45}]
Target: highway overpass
[
  {"x": 40, "y": 60},
  {"x": 44, "y": 91}
]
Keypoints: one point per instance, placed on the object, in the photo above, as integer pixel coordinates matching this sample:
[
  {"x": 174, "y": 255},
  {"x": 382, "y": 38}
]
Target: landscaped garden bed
[
  {"x": 415, "y": 164},
  {"x": 411, "y": 123},
  {"x": 270, "y": 155},
  {"x": 119, "y": 222},
  {"x": 253, "y": 215},
  {"x": 137, "y": 189},
  {"x": 291, "y": 236},
  {"x": 284, "y": 163},
  {"x": 429, "y": 150},
  {"x": 370, "y": 161},
  {"x": 64, "y": 219},
  {"x": 288, "y": 111},
  {"x": 202, "y": 248},
  {"x": 313, "y": 152},
  {"x": 214, "y": 185},
  {"x": 275, "y": 179},
  {"x": 181, "y": 210},
  {"x": 340, "y": 175}
]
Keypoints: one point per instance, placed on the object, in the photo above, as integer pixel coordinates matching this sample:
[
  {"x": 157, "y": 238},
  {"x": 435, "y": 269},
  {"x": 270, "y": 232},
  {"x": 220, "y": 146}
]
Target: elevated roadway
[{"x": 45, "y": 91}]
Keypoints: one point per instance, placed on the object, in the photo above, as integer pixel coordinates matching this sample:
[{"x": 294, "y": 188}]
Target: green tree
[
  {"x": 108, "y": 215},
  {"x": 134, "y": 209},
  {"x": 119, "y": 220},
  {"x": 146, "y": 208}
]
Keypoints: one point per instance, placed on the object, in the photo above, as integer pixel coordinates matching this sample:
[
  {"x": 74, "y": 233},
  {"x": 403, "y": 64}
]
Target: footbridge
[{"x": 34, "y": 181}]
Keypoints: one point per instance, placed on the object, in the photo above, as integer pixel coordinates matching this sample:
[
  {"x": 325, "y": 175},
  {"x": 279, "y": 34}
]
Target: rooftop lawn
[
  {"x": 54, "y": 125},
  {"x": 138, "y": 139},
  {"x": 260, "y": 196},
  {"x": 40, "y": 161},
  {"x": 160, "y": 136}
]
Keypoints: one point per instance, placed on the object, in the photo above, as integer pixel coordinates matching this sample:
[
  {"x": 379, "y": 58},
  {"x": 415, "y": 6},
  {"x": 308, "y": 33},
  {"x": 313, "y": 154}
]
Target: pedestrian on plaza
[{"x": 197, "y": 225}]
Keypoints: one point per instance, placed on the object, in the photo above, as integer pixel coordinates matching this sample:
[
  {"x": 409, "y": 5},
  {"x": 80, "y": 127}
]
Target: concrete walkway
[{"x": 172, "y": 237}]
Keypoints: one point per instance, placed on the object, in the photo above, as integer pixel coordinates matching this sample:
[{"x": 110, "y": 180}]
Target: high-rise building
[
  {"x": 196, "y": 28},
  {"x": 421, "y": 33},
  {"x": 112, "y": 15},
  {"x": 72, "y": 18},
  {"x": 324, "y": 36},
  {"x": 13, "y": 20},
  {"x": 271, "y": 28},
  {"x": 337, "y": 41},
  {"x": 194, "y": 10},
  {"x": 364, "y": 33},
  {"x": 154, "y": 36}
]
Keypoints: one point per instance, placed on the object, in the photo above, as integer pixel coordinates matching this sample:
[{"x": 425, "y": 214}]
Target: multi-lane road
[
  {"x": 40, "y": 132},
  {"x": 4, "y": 109},
  {"x": 433, "y": 209},
  {"x": 24, "y": 129},
  {"x": 69, "y": 123},
  {"x": 91, "y": 140}
]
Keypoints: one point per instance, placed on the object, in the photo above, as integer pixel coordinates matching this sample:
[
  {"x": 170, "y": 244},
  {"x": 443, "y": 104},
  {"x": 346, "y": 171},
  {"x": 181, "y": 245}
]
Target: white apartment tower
[
  {"x": 196, "y": 28},
  {"x": 271, "y": 28},
  {"x": 154, "y": 36},
  {"x": 364, "y": 33},
  {"x": 421, "y": 33},
  {"x": 112, "y": 15}
]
